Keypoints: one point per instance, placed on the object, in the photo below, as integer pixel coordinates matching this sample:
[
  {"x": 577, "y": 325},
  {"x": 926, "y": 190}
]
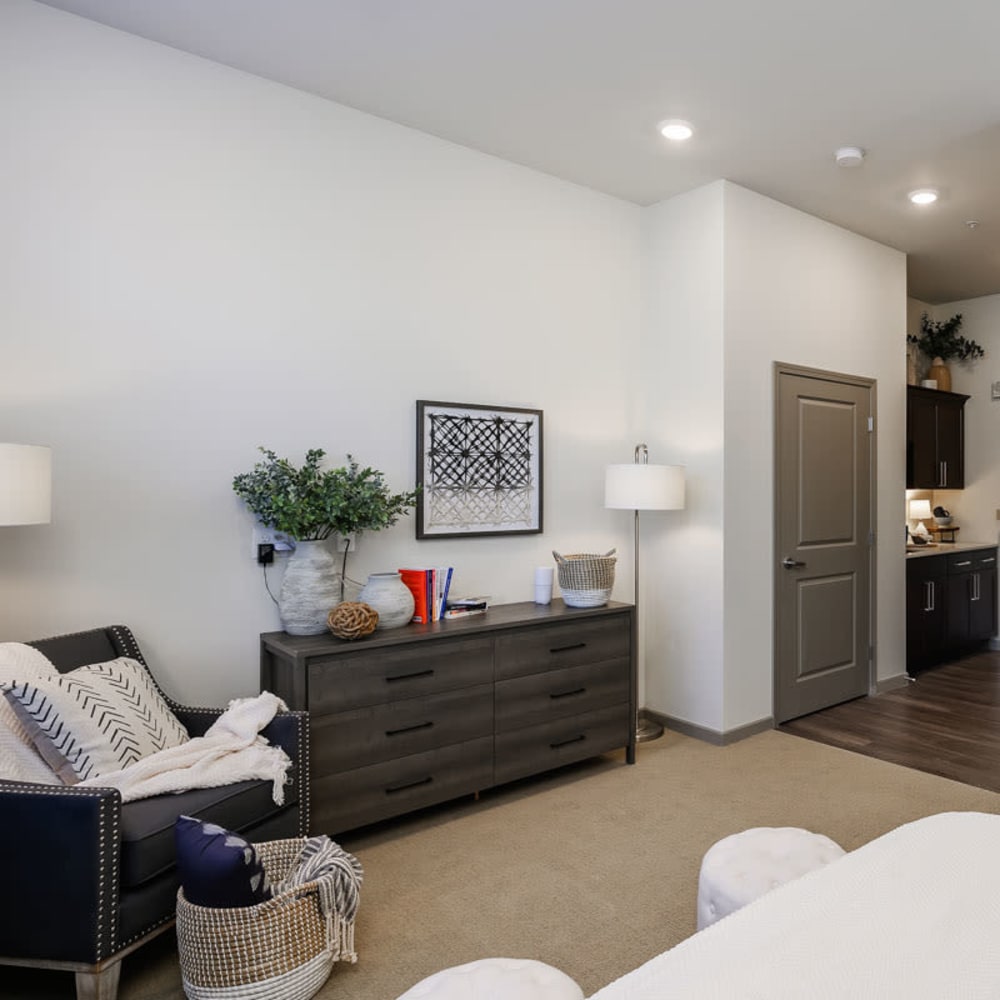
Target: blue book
[{"x": 445, "y": 572}]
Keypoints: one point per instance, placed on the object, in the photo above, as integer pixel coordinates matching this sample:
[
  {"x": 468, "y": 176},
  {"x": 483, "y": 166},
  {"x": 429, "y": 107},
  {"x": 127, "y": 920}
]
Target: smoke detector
[{"x": 850, "y": 156}]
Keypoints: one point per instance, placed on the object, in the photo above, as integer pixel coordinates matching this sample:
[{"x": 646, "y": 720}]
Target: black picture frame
[{"x": 479, "y": 470}]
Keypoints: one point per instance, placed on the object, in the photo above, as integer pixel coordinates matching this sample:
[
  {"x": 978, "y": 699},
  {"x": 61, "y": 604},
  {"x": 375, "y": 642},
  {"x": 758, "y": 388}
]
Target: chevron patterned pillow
[{"x": 95, "y": 719}]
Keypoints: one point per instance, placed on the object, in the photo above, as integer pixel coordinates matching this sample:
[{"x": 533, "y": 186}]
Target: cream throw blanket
[{"x": 231, "y": 750}]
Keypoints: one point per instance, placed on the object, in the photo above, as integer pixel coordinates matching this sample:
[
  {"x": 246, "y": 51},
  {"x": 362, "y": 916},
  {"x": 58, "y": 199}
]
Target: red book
[{"x": 416, "y": 581}]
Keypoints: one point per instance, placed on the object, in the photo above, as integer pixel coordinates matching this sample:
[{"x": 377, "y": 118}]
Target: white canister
[{"x": 543, "y": 585}]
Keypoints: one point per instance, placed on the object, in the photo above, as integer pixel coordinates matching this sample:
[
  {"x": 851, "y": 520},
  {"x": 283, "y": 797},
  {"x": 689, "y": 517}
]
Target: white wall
[
  {"x": 734, "y": 282},
  {"x": 196, "y": 261},
  {"x": 681, "y": 366},
  {"x": 802, "y": 291},
  {"x": 975, "y": 507}
]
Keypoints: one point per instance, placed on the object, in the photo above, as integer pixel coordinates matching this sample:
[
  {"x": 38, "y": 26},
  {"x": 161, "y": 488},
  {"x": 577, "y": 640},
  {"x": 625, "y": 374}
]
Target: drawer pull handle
[
  {"x": 409, "y": 729},
  {"x": 392, "y": 789},
  {"x": 406, "y": 677},
  {"x": 968, "y": 562},
  {"x": 990, "y": 560},
  {"x": 566, "y": 694},
  {"x": 566, "y": 743},
  {"x": 566, "y": 649}
]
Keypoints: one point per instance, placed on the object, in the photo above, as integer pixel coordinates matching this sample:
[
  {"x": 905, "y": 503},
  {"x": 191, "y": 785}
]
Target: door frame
[{"x": 781, "y": 368}]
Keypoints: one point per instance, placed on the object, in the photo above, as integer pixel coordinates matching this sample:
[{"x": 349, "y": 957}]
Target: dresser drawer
[
  {"x": 365, "y": 736},
  {"x": 373, "y": 677},
  {"x": 549, "y": 647},
  {"x": 556, "y": 694},
  {"x": 538, "y": 748},
  {"x": 368, "y": 794}
]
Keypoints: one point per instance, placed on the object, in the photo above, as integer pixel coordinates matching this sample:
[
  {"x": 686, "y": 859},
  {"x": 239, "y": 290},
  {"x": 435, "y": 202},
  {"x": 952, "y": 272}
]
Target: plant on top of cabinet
[
  {"x": 940, "y": 341},
  {"x": 310, "y": 504}
]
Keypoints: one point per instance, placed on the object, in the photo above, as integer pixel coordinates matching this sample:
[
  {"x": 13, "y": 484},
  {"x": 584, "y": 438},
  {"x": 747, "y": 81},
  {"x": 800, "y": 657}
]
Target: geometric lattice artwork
[{"x": 479, "y": 469}]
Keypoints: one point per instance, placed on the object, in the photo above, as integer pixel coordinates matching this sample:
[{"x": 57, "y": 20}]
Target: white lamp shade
[
  {"x": 638, "y": 486},
  {"x": 920, "y": 509},
  {"x": 25, "y": 484}
]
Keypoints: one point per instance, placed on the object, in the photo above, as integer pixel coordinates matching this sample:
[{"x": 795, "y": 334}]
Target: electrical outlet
[
  {"x": 347, "y": 542},
  {"x": 268, "y": 536}
]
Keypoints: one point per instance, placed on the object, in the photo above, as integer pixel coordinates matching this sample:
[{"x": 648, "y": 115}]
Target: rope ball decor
[{"x": 352, "y": 620}]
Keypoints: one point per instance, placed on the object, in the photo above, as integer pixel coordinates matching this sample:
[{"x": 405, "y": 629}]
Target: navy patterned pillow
[{"x": 218, "y": 868}]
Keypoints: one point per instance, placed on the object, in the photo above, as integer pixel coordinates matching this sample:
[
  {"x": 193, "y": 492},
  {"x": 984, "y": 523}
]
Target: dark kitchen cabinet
[
  {"x": 951, "y": 605},
  {"x": 972, "y": 596},
  {"x": 926, "y": 611},
  {"x": 935, "y": 439}
]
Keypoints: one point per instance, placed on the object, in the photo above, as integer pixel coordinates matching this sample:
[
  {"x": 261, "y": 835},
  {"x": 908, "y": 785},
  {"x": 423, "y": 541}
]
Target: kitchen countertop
[{"x": 943, "y": 548}]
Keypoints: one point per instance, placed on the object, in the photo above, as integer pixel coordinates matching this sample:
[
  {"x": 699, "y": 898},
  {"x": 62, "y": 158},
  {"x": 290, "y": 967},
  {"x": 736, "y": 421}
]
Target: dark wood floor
[{"x": 946, "y": 721}]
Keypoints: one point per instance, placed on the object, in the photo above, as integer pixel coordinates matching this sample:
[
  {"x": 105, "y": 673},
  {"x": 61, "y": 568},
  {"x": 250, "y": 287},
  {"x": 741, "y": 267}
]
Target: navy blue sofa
[{"x": 89, "y": 879}]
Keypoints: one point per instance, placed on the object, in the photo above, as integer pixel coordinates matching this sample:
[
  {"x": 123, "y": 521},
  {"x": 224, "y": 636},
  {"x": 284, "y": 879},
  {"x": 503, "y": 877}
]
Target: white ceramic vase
[
  {"x": 390, "y": 597},
  {"x": 310, "y": 588}
]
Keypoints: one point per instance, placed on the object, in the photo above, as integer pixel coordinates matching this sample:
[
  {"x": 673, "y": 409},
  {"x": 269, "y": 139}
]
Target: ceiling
[{"x": 575, "y": 88}]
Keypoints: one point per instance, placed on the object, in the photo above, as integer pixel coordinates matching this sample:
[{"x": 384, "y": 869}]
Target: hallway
[{"x": 946, "y": 722}]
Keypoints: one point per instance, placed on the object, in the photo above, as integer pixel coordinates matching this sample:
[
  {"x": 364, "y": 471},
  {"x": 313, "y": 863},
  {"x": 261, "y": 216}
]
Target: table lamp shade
[
  {"x": 920, "y": 510},
  {"x": 25, "y": 484},
  {"x": 638, "y": 486}
]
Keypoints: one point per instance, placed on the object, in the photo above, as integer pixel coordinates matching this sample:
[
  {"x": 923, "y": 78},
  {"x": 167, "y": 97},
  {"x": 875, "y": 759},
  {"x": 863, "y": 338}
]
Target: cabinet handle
[
  {"x": 567, "y": 694},
  {"x": 406, "y": 677},
  {"x": 566, "y": 743},
  {"x": 392, "y": 789},
  {"x": 986, "y": 562},
  {"x": 968, "y": 562},
  {"x": 566, "y": 649},
  {"x": 975, "y": 587},
  {"x": 409, "y": 729},
  {"x": 929, "y": 601}
]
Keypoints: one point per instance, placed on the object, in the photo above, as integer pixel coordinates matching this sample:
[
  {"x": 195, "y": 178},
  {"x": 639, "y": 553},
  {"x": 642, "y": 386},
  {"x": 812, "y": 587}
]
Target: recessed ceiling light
[
  {"x": 923, "y": 196},
  {"x": 849, "y": 156},
  {"x": 676, "y": 129}
]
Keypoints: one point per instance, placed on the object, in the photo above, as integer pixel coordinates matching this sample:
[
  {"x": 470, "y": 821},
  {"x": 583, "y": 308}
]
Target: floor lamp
[
  {"x": 25, "y": 484},
  {"x": 635, "y": 487}
]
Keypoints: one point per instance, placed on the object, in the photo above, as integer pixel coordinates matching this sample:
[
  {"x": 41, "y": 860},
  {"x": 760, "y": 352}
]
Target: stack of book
[
  {"x": 430, "y": 591},
  {"x": 463, "y": 607}
]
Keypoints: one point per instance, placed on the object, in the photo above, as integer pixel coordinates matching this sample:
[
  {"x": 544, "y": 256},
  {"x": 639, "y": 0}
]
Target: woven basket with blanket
[{"x": 283, "y": 948}]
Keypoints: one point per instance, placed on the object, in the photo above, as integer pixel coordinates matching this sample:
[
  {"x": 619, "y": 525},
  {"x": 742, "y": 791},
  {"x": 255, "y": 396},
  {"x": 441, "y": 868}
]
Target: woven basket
[
  {"x": 586, "y": 580},
  {"x": 281, "y": 949}
]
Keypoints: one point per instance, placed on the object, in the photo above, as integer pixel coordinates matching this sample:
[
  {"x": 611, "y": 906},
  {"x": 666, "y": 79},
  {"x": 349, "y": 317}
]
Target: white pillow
[
  {"x": 19, "y": 760},
  {"x": 95, "y": 719}
]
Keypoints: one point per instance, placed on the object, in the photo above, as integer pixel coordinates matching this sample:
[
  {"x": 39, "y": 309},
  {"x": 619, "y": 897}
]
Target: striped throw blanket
[{"x": 338, "y": 876}]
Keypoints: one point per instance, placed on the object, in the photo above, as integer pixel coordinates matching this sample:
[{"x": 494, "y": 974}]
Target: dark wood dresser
[{"x": 418, "y": 715}]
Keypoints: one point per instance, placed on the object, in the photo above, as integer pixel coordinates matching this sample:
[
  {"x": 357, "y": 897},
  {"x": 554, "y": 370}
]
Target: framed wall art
[{"x": 479, "y": 470}]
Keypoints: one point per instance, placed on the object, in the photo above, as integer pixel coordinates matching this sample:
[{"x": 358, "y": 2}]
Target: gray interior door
[{"x": 824, "y": 554}]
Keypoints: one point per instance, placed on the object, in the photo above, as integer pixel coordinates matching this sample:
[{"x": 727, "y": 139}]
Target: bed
[{"x": 915, "y": 914}]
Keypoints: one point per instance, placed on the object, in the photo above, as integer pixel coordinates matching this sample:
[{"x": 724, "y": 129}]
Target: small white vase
[
  {"x": 310, "y": 588},
  {"x": 390, "y": 597}
]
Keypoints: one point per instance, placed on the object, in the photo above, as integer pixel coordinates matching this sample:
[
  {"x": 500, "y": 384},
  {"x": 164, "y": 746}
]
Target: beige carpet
[{"x": 593, "y": 870}]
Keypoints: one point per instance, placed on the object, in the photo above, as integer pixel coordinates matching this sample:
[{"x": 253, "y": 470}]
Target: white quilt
[
  {"x": 231, "y": 750},
  {"x": 913, "y": 914}
]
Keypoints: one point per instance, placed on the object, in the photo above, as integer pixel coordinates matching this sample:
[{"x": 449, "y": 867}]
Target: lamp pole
[{"x": 636, "y": 487}]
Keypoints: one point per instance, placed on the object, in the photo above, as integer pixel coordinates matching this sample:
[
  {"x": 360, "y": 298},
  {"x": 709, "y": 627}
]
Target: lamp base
[{"x": 647, "y": 730}]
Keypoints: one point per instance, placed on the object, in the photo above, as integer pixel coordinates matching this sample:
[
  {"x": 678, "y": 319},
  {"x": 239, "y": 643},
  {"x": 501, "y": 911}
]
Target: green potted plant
[
  {"x": 310, "y": 504},
  {"x": 940, "y": 341}
]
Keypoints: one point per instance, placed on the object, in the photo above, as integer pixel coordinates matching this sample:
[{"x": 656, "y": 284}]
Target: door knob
[{"x": 789, "y": 563}]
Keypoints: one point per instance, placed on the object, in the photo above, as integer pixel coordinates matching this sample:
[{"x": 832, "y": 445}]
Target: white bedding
[{"x": 914, "y": 914}]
